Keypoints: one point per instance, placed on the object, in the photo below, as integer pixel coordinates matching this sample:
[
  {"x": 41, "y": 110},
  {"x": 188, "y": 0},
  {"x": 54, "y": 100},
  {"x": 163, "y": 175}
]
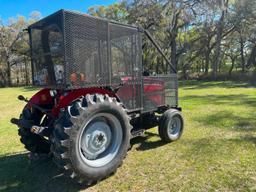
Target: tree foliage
[{"x": 201, "y": 38}]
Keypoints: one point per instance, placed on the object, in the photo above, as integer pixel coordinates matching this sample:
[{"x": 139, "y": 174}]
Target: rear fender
[
  {"x": 65, "y": 100},
  {"x": 42, "y": 97}
]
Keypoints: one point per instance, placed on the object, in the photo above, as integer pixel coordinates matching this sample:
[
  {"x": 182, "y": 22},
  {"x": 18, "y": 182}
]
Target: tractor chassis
[{"x": 140, "y": 122}]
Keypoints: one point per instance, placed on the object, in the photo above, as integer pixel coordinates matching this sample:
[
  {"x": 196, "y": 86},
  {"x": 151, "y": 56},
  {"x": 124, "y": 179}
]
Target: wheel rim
[
  {"x": 100, "y": 140},
  {"x": 174, "y": 127}
]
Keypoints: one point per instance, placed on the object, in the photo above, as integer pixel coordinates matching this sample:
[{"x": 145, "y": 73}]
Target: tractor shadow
[
  {"x": 145, "y": 143},
  {"x": 19, "y": 174}
]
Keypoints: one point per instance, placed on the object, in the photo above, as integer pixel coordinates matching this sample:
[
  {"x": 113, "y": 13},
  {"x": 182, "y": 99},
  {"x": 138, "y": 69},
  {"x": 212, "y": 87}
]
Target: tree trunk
[
  {"x": 242, "y": 53},
  {"x": 2, "y": 79},
  {"x": 185, "y": 71},
  {"x": 173, "y": 52},
  {"x": 9, "y": 80},
  {"x": 252, "y": 59},
  {"x": 218, "y": 47},
  {"x": 220, "y": 27},
  {"x": 221, "y": 60},
  {"x": 157, "y": 65},
  {"x": 26, "y": 71},
  {"x": 207, "y": 61},
  {"x": 232, "y": 66}
]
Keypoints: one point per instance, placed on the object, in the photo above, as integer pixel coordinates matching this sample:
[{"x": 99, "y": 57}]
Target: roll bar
[{"x": 159, "y": 49}]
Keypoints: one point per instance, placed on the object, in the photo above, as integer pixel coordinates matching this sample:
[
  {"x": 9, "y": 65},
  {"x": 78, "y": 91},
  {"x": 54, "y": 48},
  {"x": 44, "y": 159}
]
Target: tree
[
  {"x": 178, "y": 15},
  {"x": 116, "y": 11},
  {"x": 9, "y": 37},
  {"x": 14, "y": 49},
  {"x": 231, "y": 49},
  {"x": 223, "y": 4}
]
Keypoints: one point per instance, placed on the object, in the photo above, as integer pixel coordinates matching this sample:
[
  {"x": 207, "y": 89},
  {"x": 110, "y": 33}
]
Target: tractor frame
[{"x": 84, "y": 63}]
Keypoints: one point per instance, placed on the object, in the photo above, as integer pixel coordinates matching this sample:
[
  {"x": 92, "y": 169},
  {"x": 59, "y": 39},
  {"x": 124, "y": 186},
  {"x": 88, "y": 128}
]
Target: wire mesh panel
[
  {"x": 159, "y": 91},
  {"x": 46, "y": 37},
  {"x": 125, "y": 63},
  {"x": 72, "y": 50},
  {"x": 86, "y": 48}
]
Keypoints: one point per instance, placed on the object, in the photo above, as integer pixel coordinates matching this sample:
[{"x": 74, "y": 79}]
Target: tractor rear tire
[
  {"x": 91, "y": 138},
  {"x": 32, "y": 142},
  {"x": 171, "y": 125}
]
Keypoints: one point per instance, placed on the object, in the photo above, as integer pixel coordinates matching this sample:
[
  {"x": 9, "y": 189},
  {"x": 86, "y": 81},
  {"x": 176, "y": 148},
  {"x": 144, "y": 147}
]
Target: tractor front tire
[
  {"x": 171, "y": 125},
  {"x": 91, "y": 138},
  {"x": 32, "y": 142}
]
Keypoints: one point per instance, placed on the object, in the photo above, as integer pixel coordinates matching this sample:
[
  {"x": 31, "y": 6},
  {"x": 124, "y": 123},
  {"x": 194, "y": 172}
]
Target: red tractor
[{"x": 95, "y": 95}]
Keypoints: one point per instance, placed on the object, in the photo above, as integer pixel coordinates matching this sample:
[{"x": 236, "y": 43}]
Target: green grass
[{"x": 216, "y": 152}]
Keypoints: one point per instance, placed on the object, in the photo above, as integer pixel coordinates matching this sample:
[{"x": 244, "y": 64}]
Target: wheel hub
[
  {"x": 96, "y": 139},
  {"x": 100, "y": 140},
  {"x": 174, "y": 126}
]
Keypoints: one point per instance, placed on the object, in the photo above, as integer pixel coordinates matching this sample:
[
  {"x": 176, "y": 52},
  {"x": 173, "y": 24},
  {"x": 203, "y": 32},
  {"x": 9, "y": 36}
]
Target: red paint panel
[
  {"x": 42, "y": 97},
  {"x": 76, "y": 93},
  {"x": 151, "y": 86}
]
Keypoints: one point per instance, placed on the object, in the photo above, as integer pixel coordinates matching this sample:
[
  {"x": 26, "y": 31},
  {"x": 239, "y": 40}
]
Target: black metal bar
[
  {"x": 47, "y": 55},
  {"x": 31, "y": 54},
  {"x": 109, "y": 56},
  {"x": 159, "y": 49},
  {"x": 63, "y": 26},
  {"x": 141, "y": 91}
]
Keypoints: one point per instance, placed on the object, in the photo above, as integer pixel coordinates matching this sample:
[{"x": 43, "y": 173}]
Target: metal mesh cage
[
  {"x": 75, "y": 50},
  {"x": 71, "y": 50}
]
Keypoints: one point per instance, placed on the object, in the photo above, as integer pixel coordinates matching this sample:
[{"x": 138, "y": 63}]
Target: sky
[{"x": 13, "y": 8}]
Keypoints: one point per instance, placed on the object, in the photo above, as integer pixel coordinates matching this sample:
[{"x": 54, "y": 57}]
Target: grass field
[{"x": 217, "y": 151}]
